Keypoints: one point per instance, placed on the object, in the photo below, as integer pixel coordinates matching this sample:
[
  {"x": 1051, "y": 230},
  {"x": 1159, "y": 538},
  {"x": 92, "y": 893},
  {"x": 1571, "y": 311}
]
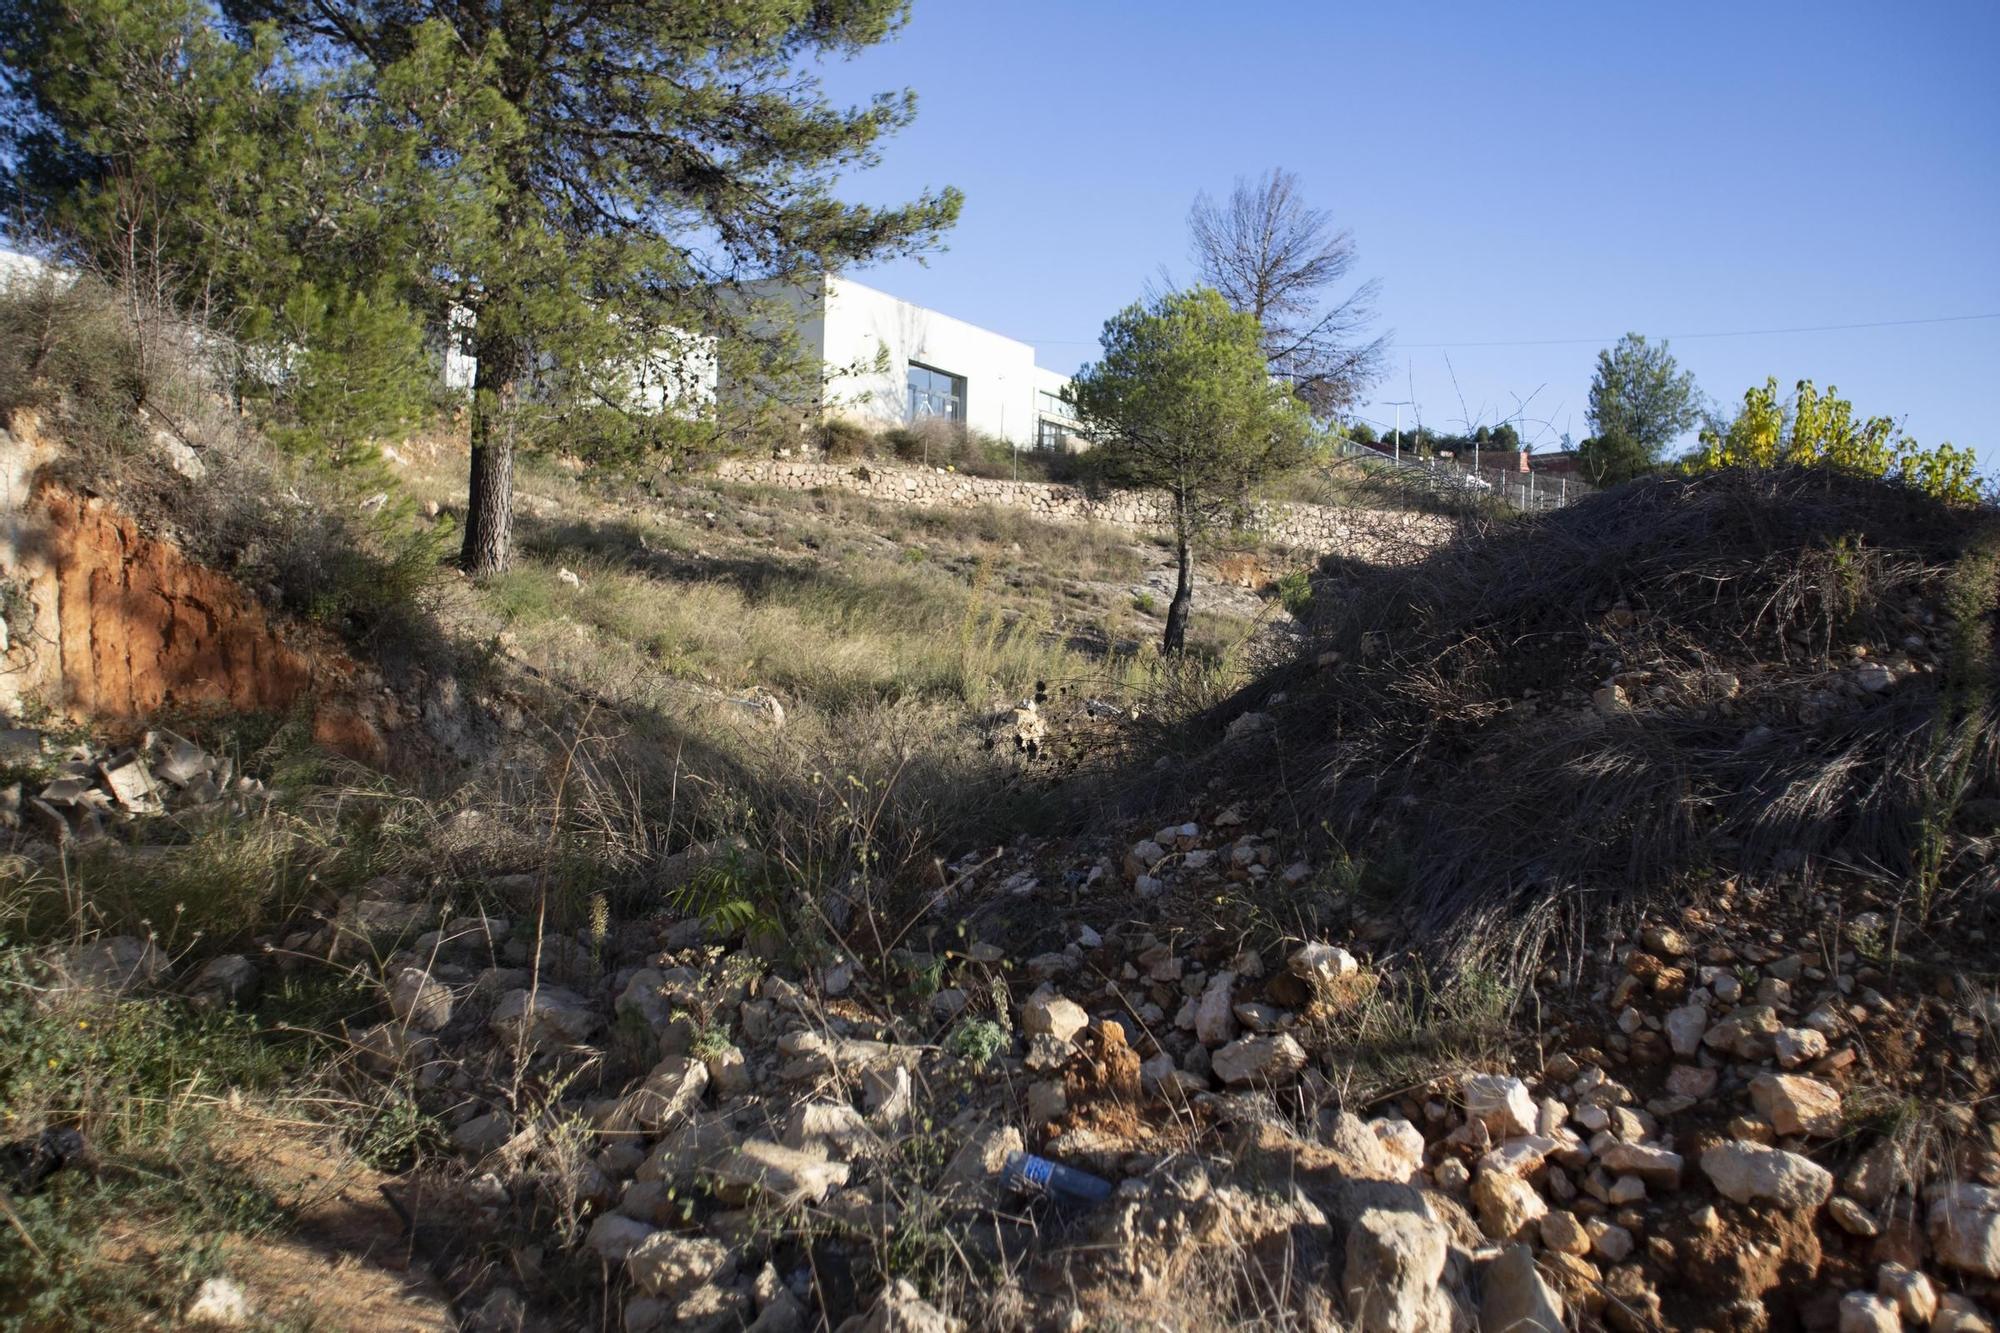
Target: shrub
[
  {"x": 1817, "y": 429},
  {"x": 844, "y": 439},
  {"x": 67, "y": 351},
  {"x": 1749, "y": 576},
  {"x": 977, "y": 1041}
]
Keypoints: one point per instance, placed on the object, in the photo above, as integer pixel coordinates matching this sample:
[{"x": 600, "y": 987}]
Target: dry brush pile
[{"x": 1762, "y": 672}]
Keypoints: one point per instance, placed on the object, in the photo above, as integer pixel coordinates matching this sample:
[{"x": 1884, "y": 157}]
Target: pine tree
[
  {"x": 197, "y": 172},
  {"x": 566, "y": 185},
  {"x": 1183, "y": 401},
  {"x": 630, "y": 162},
  {"x": 1640, "y": 401}
]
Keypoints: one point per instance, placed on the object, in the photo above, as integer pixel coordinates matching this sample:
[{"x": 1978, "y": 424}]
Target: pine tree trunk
[
  {"x": 489, "y": 501},
  {"x": 1177, "y": 612}
]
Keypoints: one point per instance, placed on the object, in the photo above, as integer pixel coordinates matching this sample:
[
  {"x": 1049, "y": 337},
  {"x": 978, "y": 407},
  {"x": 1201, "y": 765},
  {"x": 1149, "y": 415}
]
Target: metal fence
[{"x": 1528, "y": 491}]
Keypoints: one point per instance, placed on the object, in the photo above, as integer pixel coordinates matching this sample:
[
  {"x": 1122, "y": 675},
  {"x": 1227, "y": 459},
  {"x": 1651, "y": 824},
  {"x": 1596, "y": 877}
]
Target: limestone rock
[
  {"x": 550, "y": 1013},
  {"x": 783, "y": 1176},
  {"x": 1912, "y": 1293},
  {"x": 1516, "y": 1298},
  {"x": 1215, "y": 1015},
  {"x": 1964, "y": 1227},
  {"x": 113, "y": 965},
  {"x": 1394, "y": 1262},
  {"x": 1403, "y": 1143},
  {"x": 1960, "y": 1314},
  {"x": 1748, "y": 1171},
  {"x": 695, "y": 1146},
  {"x": 613, "y": 1236},
  {"x": 1322, "y": 964},
  {"x": 1685, "y": 1027},
  {"x": 728, "y": 1072},
  {"x": 1501, "y": 1103},
  {"x": 1879, "y": 1172},
  {"x": 887, "y": 1092},
  {"x": 220, "y": 1303},
  {"x": 672, "y": 1267},
  {"x": 1691, "y": 1081},
  {"x": 1865, "y": 1312},
  {"x": 483, "y": 1134},
  {"x": 1655, "y": 1166},
  {"x": 667, "y": 1096},
  {"x": 1747, "y": 1034},
  {"x": 419, "y": 1001},
  {"x": 830, "y": 1129},
  {"x": 1048, "y": 1013},
  {"x": 1562, "y": 1232},
  {"x": 973, "y": 1176},
  {"x": 1852, "y": 1218},
  {"x": 1797, "y": 1046},
  {"x": 1521, "y": 1157},
  {"x": 229, "y": 979},
  {"x": 1507, "y": 1205},
  {"x": 1259, "y": 1060},
  {"x": 900, "y": 1309},
  {"x": 1608, "y": 1241},
  {"x": 1795, "y": 1104}
]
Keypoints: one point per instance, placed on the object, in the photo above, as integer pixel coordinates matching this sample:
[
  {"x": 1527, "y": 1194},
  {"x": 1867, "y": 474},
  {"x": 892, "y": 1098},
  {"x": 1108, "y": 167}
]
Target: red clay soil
[{"x": 145, "y": 628}]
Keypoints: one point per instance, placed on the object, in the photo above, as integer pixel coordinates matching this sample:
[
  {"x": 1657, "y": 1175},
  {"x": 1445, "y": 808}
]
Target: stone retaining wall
[{"x": 1363, "y": 534}]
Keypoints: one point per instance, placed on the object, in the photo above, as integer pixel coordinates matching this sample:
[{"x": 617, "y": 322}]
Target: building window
[
  {"x": 933, "y": 393},
  {"x": 1052, "y": 435},
  {"x": 1052, "y": 405}
]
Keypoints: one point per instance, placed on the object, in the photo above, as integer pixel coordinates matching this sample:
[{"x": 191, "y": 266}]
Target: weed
[
  {"x": 727, "y": 897},
  {"x": 141, "y": 1079},
  {"x": 397, "y": 1132},
  {"x": 1295, "y": 593},
  {"x": 976, "y": 1041}
]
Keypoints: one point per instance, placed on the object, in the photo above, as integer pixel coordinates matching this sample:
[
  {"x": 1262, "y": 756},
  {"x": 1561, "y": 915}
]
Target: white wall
[
  {"x": 678, "y": 377},
  {"x": 16, "y": 267},
  {"x": 999, "y": 373}
]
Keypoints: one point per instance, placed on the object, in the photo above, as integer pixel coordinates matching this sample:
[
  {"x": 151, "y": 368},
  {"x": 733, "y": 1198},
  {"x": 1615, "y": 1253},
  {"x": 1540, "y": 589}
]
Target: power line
[
  {"x": 1562, "y": 342},
  {"x": 1732, "y": 333}
]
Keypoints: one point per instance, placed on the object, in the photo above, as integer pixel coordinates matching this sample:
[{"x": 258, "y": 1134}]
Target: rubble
[
  {"x": 768, "y": 1107},
  {"x": 1394, "y": 1266},
  {"x": 1750, "y": 1171},
  {"x": 1259, "y": 1060}
]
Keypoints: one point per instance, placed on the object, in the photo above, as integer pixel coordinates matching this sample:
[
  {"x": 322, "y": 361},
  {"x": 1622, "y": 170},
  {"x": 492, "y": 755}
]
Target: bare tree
[{"x": 1275, "y": 257}]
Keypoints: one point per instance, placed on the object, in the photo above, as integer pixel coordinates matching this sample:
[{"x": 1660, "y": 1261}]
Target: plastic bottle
[{"x": 1038, "y": 1175}]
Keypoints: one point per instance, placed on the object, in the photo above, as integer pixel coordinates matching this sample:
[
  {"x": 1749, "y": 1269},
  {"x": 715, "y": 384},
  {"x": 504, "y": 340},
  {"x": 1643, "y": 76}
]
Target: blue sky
[{"x": 1512, "y": 174}]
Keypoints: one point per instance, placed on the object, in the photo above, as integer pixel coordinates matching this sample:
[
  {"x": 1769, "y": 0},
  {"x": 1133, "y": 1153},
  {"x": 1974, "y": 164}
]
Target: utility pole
[{"x": 1399, "y": 406}]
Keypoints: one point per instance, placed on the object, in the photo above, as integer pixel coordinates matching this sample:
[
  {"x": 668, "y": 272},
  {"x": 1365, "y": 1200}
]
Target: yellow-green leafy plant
[{"x": 1821, "y": 429}]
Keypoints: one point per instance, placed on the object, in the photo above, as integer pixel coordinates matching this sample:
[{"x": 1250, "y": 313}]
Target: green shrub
[{"x": 976, "y": 1041}]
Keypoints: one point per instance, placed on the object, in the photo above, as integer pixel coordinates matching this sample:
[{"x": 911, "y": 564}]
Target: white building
[
  {"x": 678, "y": 377},
  {"x": 886, "y": 362},
  {"x": 17, "y": 268}
]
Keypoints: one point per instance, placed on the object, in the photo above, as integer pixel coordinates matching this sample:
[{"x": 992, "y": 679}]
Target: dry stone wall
[{"x": 1364, "y": 534}]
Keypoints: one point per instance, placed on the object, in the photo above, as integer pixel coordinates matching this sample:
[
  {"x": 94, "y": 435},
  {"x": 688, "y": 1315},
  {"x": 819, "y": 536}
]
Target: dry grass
[{"x": 1456, "y": 722}]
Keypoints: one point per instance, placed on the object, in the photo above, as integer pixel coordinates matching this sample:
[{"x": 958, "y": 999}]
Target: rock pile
[
  {"x": 92, "y": 792},
  {"x": 1732, "y": 1132}
]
